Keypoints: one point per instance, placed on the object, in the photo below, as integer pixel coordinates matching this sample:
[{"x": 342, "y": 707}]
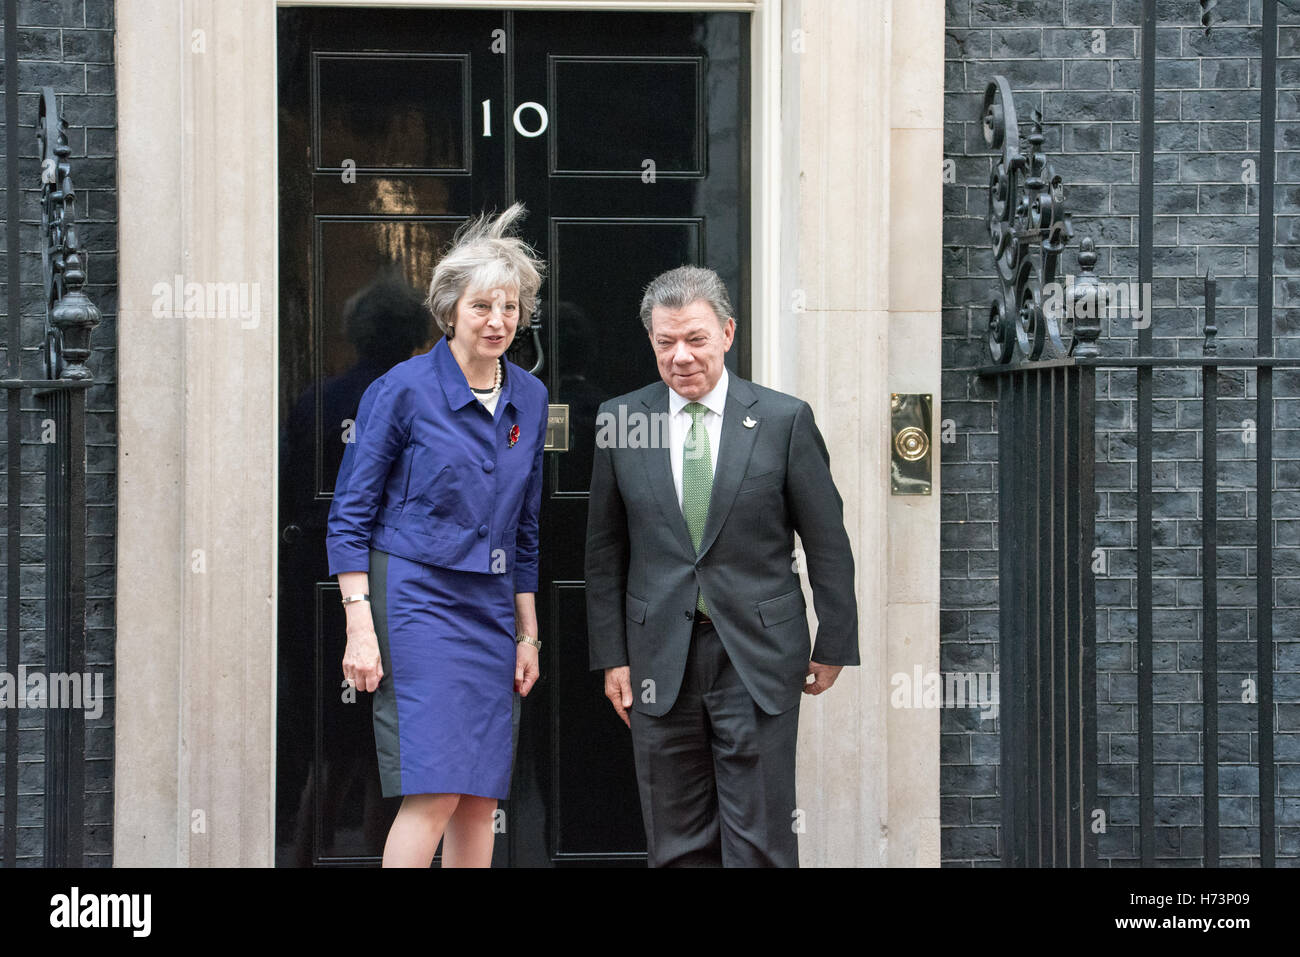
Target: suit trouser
[{"x": 716, "y": 773}]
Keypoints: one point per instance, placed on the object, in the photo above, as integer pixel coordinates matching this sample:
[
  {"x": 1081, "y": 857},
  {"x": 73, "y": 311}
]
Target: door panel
[
  {"x": 657, "y": 113},
  {"x": 406, "y": 112},
  {"x": 589, "y": 272},
  {"x": 626, "y": 135},
  {"x": 378, "y": 166},
  {"x": 620, "y": 89}
]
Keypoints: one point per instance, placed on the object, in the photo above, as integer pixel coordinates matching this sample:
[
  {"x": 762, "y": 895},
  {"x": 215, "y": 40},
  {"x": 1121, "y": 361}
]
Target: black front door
[{"x": 626, "y": 135}]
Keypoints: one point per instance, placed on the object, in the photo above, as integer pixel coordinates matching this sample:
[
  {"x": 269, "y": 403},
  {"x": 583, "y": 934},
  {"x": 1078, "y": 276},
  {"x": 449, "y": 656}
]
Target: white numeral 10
[{"x": 543, "y": 118}]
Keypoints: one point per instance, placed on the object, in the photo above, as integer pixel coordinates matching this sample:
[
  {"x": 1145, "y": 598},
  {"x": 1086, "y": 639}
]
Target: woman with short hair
[{"x": 433, "y": 536}]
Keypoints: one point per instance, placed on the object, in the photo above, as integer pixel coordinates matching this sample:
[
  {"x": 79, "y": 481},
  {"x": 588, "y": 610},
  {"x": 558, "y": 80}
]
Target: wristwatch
[{"x": 529, "y": 640}]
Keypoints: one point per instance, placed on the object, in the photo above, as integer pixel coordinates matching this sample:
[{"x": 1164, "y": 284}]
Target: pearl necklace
[{"x": 496, "y": 384}]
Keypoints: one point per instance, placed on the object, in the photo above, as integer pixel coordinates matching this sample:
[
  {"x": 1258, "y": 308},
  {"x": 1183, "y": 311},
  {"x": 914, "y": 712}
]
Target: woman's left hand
[{"x": 526, "y": 670}]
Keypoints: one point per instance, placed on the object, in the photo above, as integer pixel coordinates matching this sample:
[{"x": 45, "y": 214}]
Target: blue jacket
[{"x": 432, "y": 477}]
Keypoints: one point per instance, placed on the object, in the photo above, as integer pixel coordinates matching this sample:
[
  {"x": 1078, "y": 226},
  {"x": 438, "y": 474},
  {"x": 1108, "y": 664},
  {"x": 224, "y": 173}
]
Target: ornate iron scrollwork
[
  {"x": 1026, "y": 207},
  {"x": 69, "y": 313}
]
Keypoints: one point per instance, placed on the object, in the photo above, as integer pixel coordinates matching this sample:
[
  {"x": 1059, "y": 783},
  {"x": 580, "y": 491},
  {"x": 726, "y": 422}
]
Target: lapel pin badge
[
  {"x": 514, "y": 435},
  {"x": 749, "y": 423}
]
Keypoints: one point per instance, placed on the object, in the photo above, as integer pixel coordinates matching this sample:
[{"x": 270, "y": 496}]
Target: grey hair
[
  {"x": 486, "y": 254},
  {"x": 678, "y": 288}
]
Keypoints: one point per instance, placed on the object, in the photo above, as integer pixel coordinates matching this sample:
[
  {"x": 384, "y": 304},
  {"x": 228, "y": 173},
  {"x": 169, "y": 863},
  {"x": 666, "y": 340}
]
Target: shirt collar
[
  {"x": 454, "y": 385},
  {"x": 714, "y": 401}
]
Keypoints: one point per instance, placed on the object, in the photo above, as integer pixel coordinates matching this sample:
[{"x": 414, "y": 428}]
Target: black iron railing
[
  {"x": 1044, "y": 355},
  {"x": 59, "y": 408}
]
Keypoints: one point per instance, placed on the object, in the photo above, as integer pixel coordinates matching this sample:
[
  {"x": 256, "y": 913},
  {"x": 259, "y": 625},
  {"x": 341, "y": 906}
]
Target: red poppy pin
[{"x": 514, "y": 435}]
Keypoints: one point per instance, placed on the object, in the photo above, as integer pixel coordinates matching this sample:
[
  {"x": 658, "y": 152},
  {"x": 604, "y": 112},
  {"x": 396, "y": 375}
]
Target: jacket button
[
  {"x": 482, "y": 531},
  {"x": 689, "y": 615},
  {"x": 489, "y": 465}
]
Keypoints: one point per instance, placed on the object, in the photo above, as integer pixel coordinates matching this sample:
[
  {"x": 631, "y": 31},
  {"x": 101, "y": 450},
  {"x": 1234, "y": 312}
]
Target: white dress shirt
[{"x": 679, "y": 426}]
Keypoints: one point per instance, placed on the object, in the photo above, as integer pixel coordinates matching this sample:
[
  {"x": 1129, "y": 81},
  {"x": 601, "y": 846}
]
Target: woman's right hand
[{"x": 361, "y": 662}]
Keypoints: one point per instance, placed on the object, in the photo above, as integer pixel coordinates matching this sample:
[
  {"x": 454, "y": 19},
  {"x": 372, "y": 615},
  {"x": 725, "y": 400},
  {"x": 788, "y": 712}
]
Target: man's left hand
[{"x": 823, "y": 677}]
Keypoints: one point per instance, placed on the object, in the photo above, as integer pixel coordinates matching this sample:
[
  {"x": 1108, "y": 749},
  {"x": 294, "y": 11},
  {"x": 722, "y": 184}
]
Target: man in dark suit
[{"x": 694, "y": 606}]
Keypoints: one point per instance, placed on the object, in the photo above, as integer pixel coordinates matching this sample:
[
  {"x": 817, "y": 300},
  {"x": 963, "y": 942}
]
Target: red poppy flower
[{"x": 514, "y": 435}]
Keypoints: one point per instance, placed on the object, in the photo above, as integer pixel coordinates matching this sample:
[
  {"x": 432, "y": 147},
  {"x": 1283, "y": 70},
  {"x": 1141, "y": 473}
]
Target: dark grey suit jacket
[{"x": 772, "y": 479}]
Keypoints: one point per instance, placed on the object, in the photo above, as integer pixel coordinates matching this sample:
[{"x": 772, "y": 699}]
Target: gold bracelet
[
  {"x": 349, "y": 599},
  {"x": 528, "y": 640}
]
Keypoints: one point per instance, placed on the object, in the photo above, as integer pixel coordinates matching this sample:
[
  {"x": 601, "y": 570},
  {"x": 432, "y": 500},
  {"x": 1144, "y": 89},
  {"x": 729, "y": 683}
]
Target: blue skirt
[{"x": 444, "y": 710}]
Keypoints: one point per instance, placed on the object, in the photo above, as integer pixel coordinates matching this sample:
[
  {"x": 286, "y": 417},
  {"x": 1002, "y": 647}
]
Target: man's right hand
[{"x": 618, "y": 689}]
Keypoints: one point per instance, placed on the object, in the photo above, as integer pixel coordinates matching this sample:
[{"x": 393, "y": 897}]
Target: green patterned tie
[{"x": 697, "y": 480}]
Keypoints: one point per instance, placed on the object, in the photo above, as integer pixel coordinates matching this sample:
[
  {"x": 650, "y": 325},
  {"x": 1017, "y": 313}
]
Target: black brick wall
[
  {"x": 68, "y": 44},
  {"x": 1207, "y": 127}
]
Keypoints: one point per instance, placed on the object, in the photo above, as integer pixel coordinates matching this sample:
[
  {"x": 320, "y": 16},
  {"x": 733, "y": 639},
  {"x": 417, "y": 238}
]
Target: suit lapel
[
  {"x": 734, "y": 449},
  {"x": 659, "y": 470}
]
